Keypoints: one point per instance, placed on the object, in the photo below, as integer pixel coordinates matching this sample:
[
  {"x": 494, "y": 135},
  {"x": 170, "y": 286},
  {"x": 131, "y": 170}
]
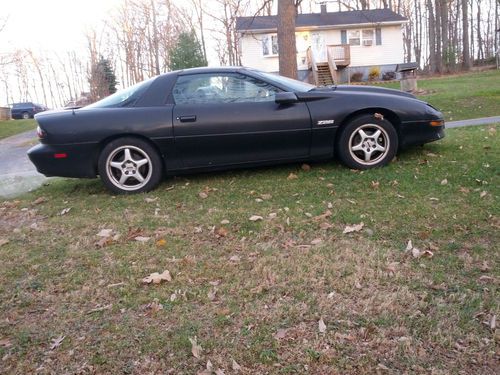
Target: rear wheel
[
  {"x": 26, "y": 115},
  {"x": 130, "y": 165},
  {"x": 367, "y": 142}
]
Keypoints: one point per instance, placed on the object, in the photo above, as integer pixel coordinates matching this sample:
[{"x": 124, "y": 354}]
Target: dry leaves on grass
[
  {"x": 5, "y": 343},
  {"x": 353, "y": 228},
  {"x": 55, "y": 343},
  {"x": 417, "y": 253},
  {"x": 256, "y": 218},
  {"x": 236, "y": 367},
  {"x": 3, "y": 241},
  {"x": 196, "y": 348},
  {"x": 321, "y": 326},
  {"x": 157, "y": 278},
  {"x": 65, "y": 211},
  {"x": 305, "y": 167},
  {"x": 292, "y": 176},
  {"x": 39, "y": 200},
  {"x": 142, "y": 239}
]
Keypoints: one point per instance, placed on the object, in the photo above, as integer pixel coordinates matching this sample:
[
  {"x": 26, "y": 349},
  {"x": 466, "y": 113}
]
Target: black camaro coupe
[{"x": 218, "y": 118}]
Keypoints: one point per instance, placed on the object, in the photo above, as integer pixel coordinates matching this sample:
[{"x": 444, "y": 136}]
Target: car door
[{"x": 232, "y": 118}]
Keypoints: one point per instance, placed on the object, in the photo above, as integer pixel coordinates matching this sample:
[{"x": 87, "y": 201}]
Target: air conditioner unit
[{"x": 367, "y": 43}]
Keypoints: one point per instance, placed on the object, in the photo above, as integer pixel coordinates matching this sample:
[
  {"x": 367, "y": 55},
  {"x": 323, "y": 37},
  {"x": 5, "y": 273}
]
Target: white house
[{"x": 329, "y": 44}]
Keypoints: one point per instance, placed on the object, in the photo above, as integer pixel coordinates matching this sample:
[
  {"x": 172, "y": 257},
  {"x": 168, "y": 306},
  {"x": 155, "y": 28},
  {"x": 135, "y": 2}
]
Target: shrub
[
  {"x": 374, "y": 73},
  {"x": 388, "y": 76},
  {"x": 357, "y": 77}
]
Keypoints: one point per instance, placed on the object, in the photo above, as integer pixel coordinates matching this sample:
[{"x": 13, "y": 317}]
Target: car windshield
[
  {"x": 123, "y": 97},
  {"x": 291, "y": 84}
]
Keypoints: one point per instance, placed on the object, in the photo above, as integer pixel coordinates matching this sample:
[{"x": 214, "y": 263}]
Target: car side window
[{"x": 221, "y": 88}]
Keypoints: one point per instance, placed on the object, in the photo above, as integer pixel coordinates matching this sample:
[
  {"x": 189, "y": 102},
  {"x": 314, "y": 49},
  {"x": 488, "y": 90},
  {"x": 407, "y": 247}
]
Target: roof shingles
[{"x": 317, "y": 19}]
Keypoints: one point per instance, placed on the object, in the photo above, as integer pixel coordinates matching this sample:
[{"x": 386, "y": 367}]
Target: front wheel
[
  {"x": 129, "y": 165},
  {"x": 26, "y": 116},
  {"x": 367, "y": 142}
]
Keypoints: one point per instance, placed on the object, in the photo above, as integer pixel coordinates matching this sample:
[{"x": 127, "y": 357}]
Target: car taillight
[{"x": 40, "y": 132}]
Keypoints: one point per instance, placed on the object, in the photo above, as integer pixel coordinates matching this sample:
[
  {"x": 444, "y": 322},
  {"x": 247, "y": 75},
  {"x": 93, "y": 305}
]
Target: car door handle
[{"x": 191, "y": 118}]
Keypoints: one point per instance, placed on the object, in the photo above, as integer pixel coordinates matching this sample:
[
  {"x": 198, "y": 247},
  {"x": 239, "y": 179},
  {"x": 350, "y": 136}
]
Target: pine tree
[
  {"x": 186, "y": 53},
  {"x": 102, "y": 79}
]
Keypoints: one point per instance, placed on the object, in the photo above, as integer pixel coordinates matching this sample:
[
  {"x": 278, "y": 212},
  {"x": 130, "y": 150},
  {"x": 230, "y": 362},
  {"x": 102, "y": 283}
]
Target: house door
[{"x": 318, "y": 47}]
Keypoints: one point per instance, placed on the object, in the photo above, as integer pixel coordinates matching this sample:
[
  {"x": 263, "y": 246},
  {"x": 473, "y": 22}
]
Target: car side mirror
[{"x": 285, "y": 98}]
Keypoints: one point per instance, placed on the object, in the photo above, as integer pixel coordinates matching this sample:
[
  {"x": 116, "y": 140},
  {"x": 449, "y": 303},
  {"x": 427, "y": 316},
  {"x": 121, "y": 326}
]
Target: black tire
[
  {"x": 25, "y": 116},
  {"x": 121, "y": 171},
  {"x": 359, "y": 147}
]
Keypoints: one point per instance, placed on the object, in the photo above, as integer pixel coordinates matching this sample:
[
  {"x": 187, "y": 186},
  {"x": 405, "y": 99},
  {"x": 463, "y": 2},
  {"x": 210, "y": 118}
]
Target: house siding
[{"x": 390, "y": 52}]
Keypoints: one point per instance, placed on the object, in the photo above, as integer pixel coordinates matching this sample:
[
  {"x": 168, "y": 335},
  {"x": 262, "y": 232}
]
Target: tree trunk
[
  {"x": 286, "y": 38},
  {"x": 432, "y": 37}
]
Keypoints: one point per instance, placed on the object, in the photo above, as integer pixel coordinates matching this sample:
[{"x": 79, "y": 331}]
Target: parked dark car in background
[
  {"x": 219, "y": 118},
  {"x": 26, "y": 110}
]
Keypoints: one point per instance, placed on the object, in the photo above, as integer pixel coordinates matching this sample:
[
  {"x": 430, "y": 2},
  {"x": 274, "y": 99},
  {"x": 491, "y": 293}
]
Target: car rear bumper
[
  {"x": 65, "y": 160},
  {"x": 420, "y": 132}
]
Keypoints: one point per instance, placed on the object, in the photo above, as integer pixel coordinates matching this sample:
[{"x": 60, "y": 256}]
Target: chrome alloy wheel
[
  {"x": 129, "y": 168},
  {"x": 369, "y": 144}
]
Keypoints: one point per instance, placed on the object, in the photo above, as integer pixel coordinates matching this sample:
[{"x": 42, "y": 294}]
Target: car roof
[{"x": 205, "y": 69}]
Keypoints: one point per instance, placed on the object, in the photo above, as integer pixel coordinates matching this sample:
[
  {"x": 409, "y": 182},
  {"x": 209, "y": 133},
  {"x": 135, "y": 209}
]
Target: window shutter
[
  {"x": 378, "y": 36},
  {"x": 343, "y": 36}
]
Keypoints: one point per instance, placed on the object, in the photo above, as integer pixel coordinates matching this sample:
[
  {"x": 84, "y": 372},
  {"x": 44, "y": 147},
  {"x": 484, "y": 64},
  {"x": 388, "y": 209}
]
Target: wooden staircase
[
  {"x": 325, "y": 70},
  {"x": 324, "y": 75}
]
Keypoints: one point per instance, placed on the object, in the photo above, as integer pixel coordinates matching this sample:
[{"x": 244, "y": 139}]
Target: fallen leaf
[
  {"x": 255, "y": 218},
  {"x": 415, "y": 252},
  {"x": 196, "y": 348},
  {"x": 150, "y": 200},
  {"x": 161, "y": 242},
  {"x": 55, "y": 343},
  {"x": 5, "y": 343},
  {"x": 212, "y": 294},
  {"x": 266, "y": 196},
  {"x": 431, "y": 155},
  {"x": 306, "y": 167},
  {"x": 234, "y": 258},
  {"x": 203, "y": 195},
  {"x": 65, "y": 211},
  {"x": 378, "y": 116},
  {"x": 444, "y": 182},
  {"x": 272, "y": 215},
  {"x": 142, "y": 239},
  {"x": 280, "y": 333},
  {"x": 353, "y": 228},
  {"x": 105, "y": 233},
  {"x": 464, "y": 190},
  {"x": 409, "y": 245},
  {"x": 292, "y": 176},
  {"x": 102, "y": 308},
  {"x": 391, "y": 267},
  {"x": 157, "y": 278},
  {"x": 323, "y": 216},
  {"x": 483, "y": 194},
  {"x": 224, "y": 222},
  {"x": 236, "y": 367},
  {"x": 375, "y": 184},
  {"x": 4, "y": 241},
  {"x": 316, "y": 241},
  {"x": 493, "y": 322},
  {"x": 427, "y": 253},
  {"x": 321, "y": 326},
  {"x": 40, "y": 200},
  {"x": 486, "y": 279},
  {"x": 325, "y": 225},
  {"x": 221, "y": 232},
  {"x": 155, "y": 306}
]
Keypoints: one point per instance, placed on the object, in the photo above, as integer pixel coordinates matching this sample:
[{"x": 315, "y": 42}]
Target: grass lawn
[
  {"x": 12, "y": 127},
  {"x": 288, "y": 294},
  {"x": 463, "y": 96}
]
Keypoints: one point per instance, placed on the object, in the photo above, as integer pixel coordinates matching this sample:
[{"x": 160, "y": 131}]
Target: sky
[{"x": 51, "y": 25}]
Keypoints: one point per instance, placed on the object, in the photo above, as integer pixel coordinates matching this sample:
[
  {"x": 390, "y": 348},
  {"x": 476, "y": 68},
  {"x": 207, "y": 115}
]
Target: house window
[
  {"x": 354, "y": 39},
  {"x": 270, "y": 45},
  {"x": 367, "y": 37},
  {"x": 363, "y": 37}
]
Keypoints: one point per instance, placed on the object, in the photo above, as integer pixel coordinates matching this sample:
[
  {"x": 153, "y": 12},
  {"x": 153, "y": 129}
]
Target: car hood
[{"x": 363, "y": 89}]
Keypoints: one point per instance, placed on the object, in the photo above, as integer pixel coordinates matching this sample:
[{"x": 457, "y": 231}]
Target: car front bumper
[
  {"x": 420, "y": 132},
  {"x": 65, "y": 160}
]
